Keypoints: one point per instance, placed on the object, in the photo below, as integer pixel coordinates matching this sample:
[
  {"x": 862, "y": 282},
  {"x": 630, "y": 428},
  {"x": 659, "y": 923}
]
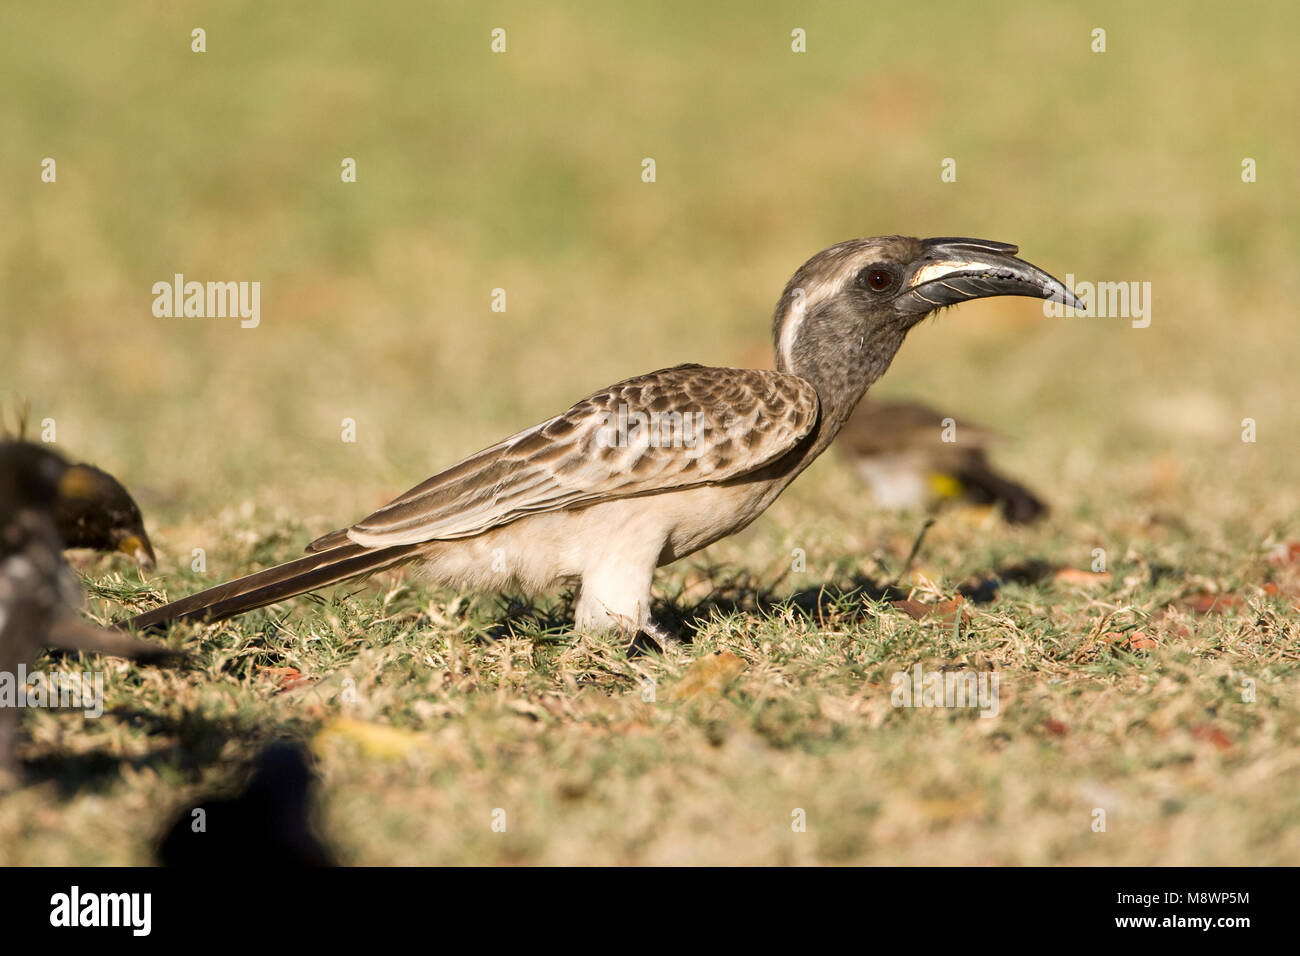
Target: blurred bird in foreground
[
  {"x": 39, "y": 593},
  {"x": 654, "y": 468},
  {"x": 92, "y": 509},
  {"x": 268, "y": 824},
  {"x": 913, "y": 456}
]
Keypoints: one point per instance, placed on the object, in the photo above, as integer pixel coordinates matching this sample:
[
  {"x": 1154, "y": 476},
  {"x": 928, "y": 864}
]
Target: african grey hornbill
[
  {"x": 912, "y": 455},
  {"x": 587, "y": 497}
]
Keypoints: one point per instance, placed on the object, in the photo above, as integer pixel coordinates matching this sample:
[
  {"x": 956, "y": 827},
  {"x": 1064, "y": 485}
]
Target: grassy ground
[{"x": 1120, "y": 692}]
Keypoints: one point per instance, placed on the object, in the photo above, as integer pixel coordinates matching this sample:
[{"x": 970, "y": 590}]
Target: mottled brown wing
[{"x": 673, "y": 428}]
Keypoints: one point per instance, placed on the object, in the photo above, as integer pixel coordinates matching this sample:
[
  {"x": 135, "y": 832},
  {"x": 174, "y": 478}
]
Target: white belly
[{"x": 612, "y": 548}]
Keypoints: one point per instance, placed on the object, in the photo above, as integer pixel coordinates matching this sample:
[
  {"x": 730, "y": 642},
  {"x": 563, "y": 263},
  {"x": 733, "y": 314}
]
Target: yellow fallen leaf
[
  {"x": 375, "y": 740},
  {"x": 711, "y": 675}
]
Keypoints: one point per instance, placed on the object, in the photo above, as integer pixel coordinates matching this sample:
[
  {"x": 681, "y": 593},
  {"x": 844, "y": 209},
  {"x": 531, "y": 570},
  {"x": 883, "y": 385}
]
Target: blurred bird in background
[
  {"x": 914, "y": 456},
  {"x": 39, "y": 592}
]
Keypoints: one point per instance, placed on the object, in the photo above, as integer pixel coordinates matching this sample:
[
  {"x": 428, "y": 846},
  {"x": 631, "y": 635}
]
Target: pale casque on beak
[{"x": 953, "y": 270}]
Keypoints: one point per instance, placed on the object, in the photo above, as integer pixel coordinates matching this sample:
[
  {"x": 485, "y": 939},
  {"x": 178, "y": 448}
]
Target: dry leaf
[
  {"x": 286, "y": 677},
  {"x": 375, "y": 740},
  {"x": 1206, "y": 603},
  {"x": 1213, "y": 735},
  {"x": 947, "y": 611},
  {"x": 1085, "y": 579},
  {"x": 1138, "y": 640},
  {"x": 711, "y": 675},
  {"x": 1285, "y": 554},
  {"x": 913, "y": 609}
]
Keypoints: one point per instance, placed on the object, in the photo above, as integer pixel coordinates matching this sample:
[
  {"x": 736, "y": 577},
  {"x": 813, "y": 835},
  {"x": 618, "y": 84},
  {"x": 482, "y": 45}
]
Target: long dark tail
[
  {"x": 986, "y": 486},
  {"x": 314, "y": 570}
]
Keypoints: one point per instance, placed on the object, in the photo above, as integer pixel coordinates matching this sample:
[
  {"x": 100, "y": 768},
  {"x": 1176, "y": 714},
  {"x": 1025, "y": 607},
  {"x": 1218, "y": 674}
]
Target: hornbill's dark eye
[{"x": 876, "y": 278}]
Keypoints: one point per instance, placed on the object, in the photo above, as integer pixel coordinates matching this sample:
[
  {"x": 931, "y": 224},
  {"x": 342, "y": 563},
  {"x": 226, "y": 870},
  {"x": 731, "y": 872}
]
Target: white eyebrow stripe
[
  {"x": 937, "y": 270},
  {"x": 790, "y": 332},
  {"x": 801, "y": 308}
]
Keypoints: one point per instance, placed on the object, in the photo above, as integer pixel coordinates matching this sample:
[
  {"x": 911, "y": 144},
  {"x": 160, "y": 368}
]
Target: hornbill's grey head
[{"x": 845, "y": 312}]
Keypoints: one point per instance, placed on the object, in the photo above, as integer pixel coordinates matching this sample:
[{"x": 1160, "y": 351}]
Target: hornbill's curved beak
[{"x": 953, "y": 270}]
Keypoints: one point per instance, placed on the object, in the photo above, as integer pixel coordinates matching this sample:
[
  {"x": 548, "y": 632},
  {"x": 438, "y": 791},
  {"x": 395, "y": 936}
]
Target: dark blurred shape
[
  {"x": 267, "y": 824},
  {"x": 898, "y": 448}
]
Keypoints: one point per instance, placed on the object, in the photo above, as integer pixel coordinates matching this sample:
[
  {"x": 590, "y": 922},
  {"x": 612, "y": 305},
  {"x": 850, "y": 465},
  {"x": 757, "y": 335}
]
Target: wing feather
[{"x": 669, "y": 429}]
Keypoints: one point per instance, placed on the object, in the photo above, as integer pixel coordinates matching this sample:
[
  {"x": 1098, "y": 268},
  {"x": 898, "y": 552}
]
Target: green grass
[{"x": 522, "y": 171}]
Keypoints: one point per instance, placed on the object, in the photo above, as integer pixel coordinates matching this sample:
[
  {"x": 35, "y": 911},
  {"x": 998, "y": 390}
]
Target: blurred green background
[{"x": 522, "y": 171}]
